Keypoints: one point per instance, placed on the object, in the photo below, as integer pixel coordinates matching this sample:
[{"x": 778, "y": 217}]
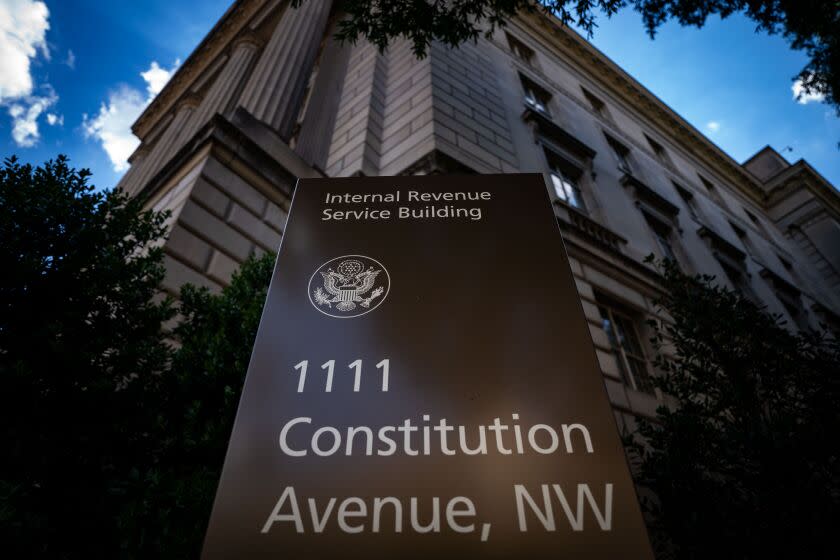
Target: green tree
[
  {"x": 81, "y": 348},
  {"x": 746, "y": 464},
  {"x": 197, "y": 403},
  {"x": 812, "y": 26}
]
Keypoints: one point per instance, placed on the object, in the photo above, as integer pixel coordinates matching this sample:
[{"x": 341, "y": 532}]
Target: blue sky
[{"x": 74, "y": 75}]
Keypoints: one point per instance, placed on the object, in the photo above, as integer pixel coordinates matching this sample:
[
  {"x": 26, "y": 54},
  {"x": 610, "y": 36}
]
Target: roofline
[
  {"x": 761, "y": 151},
  {"x": 243, "y": 10},
  {"x": 753, "y": 186},
  {"x": 167, "y": 95}
]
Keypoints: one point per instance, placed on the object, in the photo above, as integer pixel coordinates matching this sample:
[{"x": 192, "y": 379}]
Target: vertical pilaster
[
  {"x": 225, "y": 86},
  {"x": 128, "y": 181},
  {"x": 166, "y": 143},
  {"x": 273, "y": 91}
]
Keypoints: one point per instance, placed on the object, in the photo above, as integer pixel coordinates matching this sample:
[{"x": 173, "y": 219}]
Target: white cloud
[
  {"x": 53, "y": 119},
  {"x": 70, "y": 60},
  {"x": 23, "y": 28},
  {"x": 112, "y": 125},
  {"x": 156, "y": 77},
  {"x": 25, "y": 115},
  {"x": 803, "y": 98},
  {"x": 713, "y": 126}
]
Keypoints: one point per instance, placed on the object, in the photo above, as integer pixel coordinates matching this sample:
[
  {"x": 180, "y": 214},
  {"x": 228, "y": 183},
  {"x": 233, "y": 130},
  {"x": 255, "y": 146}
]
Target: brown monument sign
[{"x": 423, "y": 383}]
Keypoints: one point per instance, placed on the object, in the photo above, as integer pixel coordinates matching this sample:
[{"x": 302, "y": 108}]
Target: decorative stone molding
[
  {"x": 721, "y": 247},
  {"x": 216, "y": 41},
  {"x": 650, "y": 201},
  {"x": 248, "y": 38},
  {"x": 800, "y": 176},
  {"x": 191, "y": 100},
  {"x": 589, "y": 229},
  {"x": 437, "y": 162},
  {"x": 544, "y": 126},
  {"x": 641, "y": 100}
]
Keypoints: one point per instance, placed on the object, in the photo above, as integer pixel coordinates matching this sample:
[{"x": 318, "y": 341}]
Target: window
[
  {"x": 787, "y": 294},
  {"x": 658, "y": 150},
  {"x": 626, "y": 346},
  {"x": 827, "y": 319},
  {"x": 564, "y": 180},
  {"x": 687, "y": 198},
  {"x": 711, "y": 189},
  {"x": 758, "y": 223},
  {"x": 789, "y": 268},
  {"x": 732, "y": 260},
  {"x": 738, "y": 279},
  {"x": 622, "y": 154},
  {"x": 519, "y": 49},
  {"x": 785, "y": 263},
  {"x": 535, "y": 96},
  {"x": 662, "y": 235},
  {"x": 745, "y": 239},
  {"x": 793, "y": 305},
  {"x": 597, "y": 105}
]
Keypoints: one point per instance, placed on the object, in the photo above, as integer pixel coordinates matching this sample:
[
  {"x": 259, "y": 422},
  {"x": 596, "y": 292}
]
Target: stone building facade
[{"x": 269, "y": 97}]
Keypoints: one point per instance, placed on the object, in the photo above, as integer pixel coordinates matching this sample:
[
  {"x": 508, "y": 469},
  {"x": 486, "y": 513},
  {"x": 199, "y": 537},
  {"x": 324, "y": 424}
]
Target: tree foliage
[
  {"x": 114, "y": 429},
  {"x": 812, "y": 26},
  {"x": 747, "y": 465},
  {"x": 80, "y": 345},
  {"x": 197, "y": 405}
]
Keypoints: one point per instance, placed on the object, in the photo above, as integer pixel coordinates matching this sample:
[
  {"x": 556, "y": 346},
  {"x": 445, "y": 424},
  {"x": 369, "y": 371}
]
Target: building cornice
[
  {"x": 640, "y": 99},
  {"x": 234, "y": 20},
  {"x": 800, "y": 174}
]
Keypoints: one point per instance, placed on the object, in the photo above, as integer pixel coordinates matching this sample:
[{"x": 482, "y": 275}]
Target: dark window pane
[{"x": 640, "y": 375}]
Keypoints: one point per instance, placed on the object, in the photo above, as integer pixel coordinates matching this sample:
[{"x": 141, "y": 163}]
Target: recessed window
[
  {"x": 788, "y": 295},
  {"x": 711, "y": 189},
  {"x": 626, "y": 346},
  {"x": 757, "y": 222},
  {"x": 518, "y": 48},
  {"x": 535, "y": 96},
  {"x": 662, "y": 234},
  {"x": 565, "y": 179},
  {"x": 597, "y": 105},
  {"x": 790, "y": 269},
  {"x": 738, "y": 278},
  {"x": 786, "y": 263},
  {"x": 622, "y": 154},
  {"x": 658, "y": 150},
  {"x": 687, "y": 198},
  {"x": 793, "y": 306},
  {"x": 744, "y": 237}
]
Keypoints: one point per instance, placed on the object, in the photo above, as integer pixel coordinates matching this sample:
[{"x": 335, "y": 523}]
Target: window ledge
[
  {"x": 722, "y": 245},
  {"x": 650, "y": 196},
  {"x": 556, "y": 133},
  {"x": 581, "y": 224}
]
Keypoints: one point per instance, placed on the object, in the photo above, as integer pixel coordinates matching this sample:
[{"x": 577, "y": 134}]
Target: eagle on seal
[{"x": 347, "y": 289}]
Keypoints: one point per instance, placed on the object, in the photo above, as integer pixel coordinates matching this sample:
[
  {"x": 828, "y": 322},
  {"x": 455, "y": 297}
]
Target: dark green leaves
[
  {"x": 812, "y": 26},
  {"x": 113, "y": 437},
  {"x": 745, "y": 465},
  {"x": 81, "y": 349}
]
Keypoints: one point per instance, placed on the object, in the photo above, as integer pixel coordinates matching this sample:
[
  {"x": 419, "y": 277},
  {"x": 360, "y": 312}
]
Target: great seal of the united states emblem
[{"x": 349, "y": 286}]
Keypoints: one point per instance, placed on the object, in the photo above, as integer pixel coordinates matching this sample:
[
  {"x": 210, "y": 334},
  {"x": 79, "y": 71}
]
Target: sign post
[{"x": 423, "y": 382}]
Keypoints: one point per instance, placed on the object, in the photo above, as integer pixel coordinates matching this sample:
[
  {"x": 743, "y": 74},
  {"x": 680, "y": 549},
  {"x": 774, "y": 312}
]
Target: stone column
[
  {"x": 166, "y": 145},
  {"x": 220, "y": 93},
  {"x": 273, "y": 90},
  {"x": 128, "y": 181}
]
